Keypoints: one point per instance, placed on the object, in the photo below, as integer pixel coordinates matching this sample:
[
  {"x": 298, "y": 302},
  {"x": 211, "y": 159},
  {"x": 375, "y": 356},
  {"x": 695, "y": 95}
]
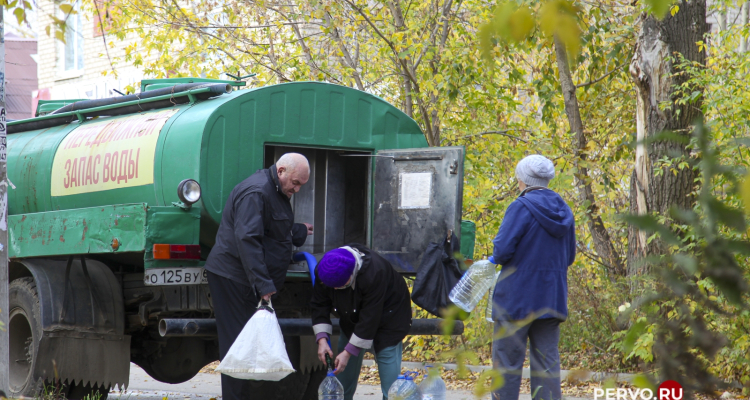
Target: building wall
[
  {"x": 88, "y": 82},
  {"x": 20, "y": 76}
]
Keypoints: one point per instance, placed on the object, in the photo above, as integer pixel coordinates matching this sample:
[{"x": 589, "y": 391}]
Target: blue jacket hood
[{"x": 550, "y": 210}]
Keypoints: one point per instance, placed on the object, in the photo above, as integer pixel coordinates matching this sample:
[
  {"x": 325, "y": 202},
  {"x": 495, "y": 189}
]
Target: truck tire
[{"x": 24, "y": 333}]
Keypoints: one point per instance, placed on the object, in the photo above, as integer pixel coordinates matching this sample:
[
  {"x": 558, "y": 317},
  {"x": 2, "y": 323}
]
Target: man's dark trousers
[
  {"x": 233, "y": 305},
  {"x": 509, "y": 352}
]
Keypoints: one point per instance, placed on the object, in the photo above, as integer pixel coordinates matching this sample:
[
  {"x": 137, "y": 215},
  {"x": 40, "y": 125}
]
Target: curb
[{"x": 579, "y": 375}]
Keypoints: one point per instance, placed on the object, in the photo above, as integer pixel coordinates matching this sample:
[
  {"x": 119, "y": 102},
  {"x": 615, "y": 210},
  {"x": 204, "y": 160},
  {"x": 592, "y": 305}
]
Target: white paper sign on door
[{"x": 416, "y": 190}]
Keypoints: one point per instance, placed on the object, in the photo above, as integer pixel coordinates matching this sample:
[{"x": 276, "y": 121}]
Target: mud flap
[
  {"x": 308, "y": 356},
  {"x": 83, "y": 323},
  {"x": 103, "y": 360}
]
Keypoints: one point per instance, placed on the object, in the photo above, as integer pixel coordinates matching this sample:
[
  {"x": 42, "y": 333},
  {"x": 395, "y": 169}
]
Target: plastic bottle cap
[
  {"x": 330, "y": 373},
  {"x": 400, "y": 377}
]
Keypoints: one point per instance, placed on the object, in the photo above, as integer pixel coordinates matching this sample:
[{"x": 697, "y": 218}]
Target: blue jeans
[
  {"x": 389, "y": 367},
  {"x": 509, "y": 352}
]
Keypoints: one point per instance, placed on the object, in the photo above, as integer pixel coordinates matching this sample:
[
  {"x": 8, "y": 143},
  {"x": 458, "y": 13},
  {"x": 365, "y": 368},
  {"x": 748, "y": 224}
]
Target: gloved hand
[{"x": 492, "y": 260}]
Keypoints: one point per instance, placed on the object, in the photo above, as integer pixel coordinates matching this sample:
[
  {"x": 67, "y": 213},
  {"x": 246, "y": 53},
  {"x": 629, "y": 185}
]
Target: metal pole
[{"x": 3, "y": 219}]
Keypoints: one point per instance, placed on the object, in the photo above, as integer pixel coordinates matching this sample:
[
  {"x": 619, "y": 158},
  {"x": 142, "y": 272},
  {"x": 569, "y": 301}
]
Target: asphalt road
[{"x": 208, "y": 386}]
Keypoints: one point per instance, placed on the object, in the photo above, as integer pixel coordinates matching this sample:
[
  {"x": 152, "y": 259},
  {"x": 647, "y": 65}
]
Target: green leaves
[
  {"x": 67, "y": 9},
  {"x": 659, "y": 8},
  {"x": 746, "y": 192},
  {"x": 559, "y": 18},
  {"x": 635, "y": 332},
  {"x": 651, "y": 224},
  {"x": 20, "y": 14},
  {"x": 513, "y": 23},
  {"x": 642, "y": 381}
]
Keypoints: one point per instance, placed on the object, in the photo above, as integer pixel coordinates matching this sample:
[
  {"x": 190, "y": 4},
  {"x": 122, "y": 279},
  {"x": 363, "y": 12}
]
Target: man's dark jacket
[
  {"x": 254, "y": 243},
  {"x": 375, "y": 313}
]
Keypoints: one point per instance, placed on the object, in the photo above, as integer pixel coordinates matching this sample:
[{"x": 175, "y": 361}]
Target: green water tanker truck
[{"x": 115, "y": 204}]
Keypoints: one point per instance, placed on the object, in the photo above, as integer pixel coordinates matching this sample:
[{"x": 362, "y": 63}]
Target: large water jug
[
  {"x": 473, "y": 285},
  {"x": 404, "y": 388},
  {"x": 432, "y": 386},
  {"x": 490, "y": 301},
  {"x": 330, "y": 388}
]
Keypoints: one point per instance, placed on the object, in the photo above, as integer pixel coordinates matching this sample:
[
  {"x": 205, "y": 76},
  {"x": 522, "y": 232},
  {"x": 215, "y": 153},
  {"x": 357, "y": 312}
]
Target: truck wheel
[{"x": 24, "y": 333}]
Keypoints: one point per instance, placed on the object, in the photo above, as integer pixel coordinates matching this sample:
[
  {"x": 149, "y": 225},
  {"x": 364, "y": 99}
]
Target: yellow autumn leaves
[{"x": 512, "y": 22}]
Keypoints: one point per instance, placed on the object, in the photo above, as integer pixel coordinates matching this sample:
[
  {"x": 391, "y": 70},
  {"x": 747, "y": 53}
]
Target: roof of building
[{"x": 20, "y": 76}]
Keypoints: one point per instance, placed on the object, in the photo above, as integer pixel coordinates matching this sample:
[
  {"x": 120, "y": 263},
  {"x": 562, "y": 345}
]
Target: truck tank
[{"x": 95, "y": 198}]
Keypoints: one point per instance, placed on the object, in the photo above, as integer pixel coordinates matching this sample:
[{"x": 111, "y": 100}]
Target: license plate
[{"x": 175, "y": 276}]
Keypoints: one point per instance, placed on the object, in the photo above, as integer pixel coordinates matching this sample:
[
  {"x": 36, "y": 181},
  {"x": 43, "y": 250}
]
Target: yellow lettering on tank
[{"x": 111, "y": 154}]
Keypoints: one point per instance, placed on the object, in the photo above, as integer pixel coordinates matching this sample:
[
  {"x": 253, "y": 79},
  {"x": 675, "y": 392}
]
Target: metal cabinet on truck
[{"x": 117, "y": 203}]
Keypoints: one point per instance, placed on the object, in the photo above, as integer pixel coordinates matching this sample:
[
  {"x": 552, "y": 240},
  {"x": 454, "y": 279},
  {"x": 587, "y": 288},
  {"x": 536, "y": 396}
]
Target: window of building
[{"x": 70, "y": 57}]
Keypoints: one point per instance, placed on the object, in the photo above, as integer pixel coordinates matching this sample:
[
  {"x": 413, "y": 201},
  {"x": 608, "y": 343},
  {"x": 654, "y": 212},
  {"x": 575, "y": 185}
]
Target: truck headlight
[{"x": 189, "y": 191}]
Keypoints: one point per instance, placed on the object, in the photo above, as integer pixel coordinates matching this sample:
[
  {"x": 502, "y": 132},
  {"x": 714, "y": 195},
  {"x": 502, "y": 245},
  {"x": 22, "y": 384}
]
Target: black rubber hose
[
  {"x": 44, "y": 124},
  {"x": 216, "y": 89}
]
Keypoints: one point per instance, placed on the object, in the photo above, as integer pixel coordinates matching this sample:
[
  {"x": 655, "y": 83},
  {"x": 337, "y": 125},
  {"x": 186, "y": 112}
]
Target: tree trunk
[
  {"x": 599, "y": 235},
  {"x": 654, "y": 188}
]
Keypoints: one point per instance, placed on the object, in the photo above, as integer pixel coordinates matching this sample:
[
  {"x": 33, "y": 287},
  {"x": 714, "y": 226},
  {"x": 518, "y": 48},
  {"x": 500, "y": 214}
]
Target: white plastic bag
[{"x": 258, "y": 353}]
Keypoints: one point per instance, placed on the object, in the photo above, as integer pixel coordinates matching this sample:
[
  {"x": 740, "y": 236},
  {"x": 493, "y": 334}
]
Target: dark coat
[
  {"x": 377, "y": 310},
  {"x": 254, "y": 242},
  {"x": 535, "y": 245}
]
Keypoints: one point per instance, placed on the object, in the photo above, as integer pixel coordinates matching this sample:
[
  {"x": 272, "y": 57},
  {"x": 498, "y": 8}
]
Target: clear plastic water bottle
[
  {"x": 404, "y": 388},
  {"x": 473, "y": 285},
  {"x": 490, "y": 300},
  {"x": 432, "y": 387},
  {"x": 330, "y": 388}
]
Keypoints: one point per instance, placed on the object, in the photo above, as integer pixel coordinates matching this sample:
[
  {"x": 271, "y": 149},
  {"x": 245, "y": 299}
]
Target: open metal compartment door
[{"x": 417, "y": 200}]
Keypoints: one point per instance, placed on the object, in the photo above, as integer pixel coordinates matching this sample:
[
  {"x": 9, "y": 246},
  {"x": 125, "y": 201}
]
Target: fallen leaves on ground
[
  {"x": 210, "y": 368},
  {"x": 369, "y": 376}
]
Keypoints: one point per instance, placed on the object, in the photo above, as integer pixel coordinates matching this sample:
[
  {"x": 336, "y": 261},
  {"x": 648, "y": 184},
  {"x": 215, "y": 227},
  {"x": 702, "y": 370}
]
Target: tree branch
[
  {"x": 591, "y": 82},
  {"x": 248, "y": 26},
  {"x": 503, "y": 133},
  {"x": 346, "y": 56},
  {"x": 599, "y": 234},
  {"x": 104, "y": 36}
]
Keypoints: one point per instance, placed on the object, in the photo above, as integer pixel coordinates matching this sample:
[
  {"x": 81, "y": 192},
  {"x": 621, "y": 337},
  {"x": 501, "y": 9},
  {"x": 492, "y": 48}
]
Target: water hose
[{"x": 312, "y": 262}]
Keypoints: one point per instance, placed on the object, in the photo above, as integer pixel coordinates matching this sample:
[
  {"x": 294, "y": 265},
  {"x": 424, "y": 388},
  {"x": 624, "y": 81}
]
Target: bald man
[{"x": 253, "y": 250}]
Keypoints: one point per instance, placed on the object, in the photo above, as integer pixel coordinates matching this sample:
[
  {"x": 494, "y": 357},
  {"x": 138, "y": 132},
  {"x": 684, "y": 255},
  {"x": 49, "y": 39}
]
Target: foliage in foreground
[
  {"x": 695, "y": 293},
  {"x": 700, "y": 286}
]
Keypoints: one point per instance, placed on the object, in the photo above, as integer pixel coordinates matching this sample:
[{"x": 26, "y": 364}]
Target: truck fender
[{"x": 82, "y": 320}]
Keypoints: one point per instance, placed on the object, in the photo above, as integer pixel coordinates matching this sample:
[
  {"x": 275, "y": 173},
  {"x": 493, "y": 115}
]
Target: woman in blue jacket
[{"x": 535, "y": 245}]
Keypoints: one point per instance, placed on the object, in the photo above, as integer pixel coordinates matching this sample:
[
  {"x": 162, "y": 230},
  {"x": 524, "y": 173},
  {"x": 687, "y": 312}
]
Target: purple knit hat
[{"x": 336, "y": 267}]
